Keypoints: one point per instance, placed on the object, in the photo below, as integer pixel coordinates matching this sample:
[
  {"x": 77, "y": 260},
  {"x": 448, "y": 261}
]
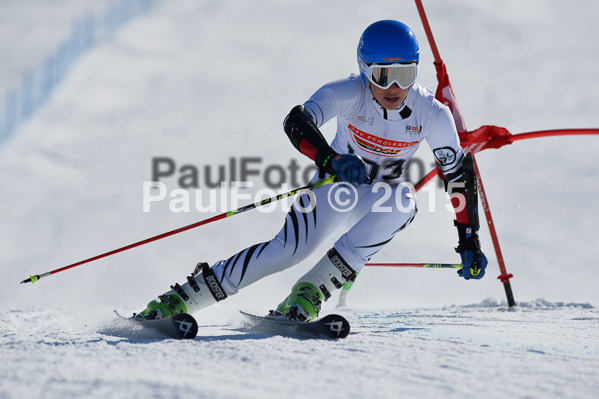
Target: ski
[
  {"x": 331, "y": 326},
  {"x": 179, "y": 326}
]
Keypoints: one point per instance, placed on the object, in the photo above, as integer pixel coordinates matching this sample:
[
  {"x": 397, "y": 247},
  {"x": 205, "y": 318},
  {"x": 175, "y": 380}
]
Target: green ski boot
[
  {"x": 202, "y": 289},
  {"x": 302, "y": 304},
  {"x": 166, "y": 306}
]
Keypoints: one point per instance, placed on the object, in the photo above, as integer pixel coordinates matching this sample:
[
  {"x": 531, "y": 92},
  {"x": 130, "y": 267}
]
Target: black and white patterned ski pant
[{"x": 379, "y": 212}]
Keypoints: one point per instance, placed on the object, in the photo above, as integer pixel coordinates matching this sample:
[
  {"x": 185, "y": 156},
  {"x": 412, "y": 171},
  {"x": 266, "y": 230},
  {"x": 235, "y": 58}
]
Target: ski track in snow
[{"x": 481, "y": 350}]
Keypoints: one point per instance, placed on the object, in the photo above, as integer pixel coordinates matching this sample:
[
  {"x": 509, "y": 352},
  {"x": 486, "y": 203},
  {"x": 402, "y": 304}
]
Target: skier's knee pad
[
  {"x": 330, "y": 273},
  {"x": 201, "y": 290}
]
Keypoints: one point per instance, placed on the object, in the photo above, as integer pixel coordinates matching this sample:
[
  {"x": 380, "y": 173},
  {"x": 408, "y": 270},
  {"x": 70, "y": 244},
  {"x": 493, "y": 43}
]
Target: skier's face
[{"x": 391, "y": 98}]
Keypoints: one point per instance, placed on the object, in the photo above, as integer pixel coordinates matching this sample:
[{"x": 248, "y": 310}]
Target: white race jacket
[{"x": 385, "y": 139}]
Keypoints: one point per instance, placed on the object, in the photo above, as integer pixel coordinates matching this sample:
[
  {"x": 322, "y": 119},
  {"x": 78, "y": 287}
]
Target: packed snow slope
[
  {"x": 204, "y": 83},
  {"x": 542, "y": 350}
]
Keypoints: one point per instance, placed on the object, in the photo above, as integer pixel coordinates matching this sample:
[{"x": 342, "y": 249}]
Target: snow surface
[
  {"x": 202, "y": 82},
  {"x": 541, "y": 350}
]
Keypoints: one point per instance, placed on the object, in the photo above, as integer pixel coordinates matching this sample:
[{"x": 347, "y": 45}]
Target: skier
[{"x": 382, "y": 117}]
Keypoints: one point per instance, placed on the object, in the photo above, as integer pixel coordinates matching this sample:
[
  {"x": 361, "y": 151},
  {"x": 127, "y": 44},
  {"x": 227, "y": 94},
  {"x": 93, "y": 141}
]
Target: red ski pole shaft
[{"x": 33, "y": 278}]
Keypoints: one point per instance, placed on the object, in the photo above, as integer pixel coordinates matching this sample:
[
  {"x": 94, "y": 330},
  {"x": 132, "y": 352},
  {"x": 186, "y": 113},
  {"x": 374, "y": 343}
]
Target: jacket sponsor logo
[
  {"x": 365, "y": 119},
  {"x": 413, "y": 129},
  {"x": 379, "y": 146},
  {"x": 445, "y": 155}
]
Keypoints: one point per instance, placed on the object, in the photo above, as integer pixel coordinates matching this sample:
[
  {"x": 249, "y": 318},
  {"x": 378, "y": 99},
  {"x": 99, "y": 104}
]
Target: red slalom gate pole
[
  {"x": 552, "y": 133},
  {"x": 504, "y": 277},
  {"x": 428, "y": 31},
  {"x": 425, "y": 180}
]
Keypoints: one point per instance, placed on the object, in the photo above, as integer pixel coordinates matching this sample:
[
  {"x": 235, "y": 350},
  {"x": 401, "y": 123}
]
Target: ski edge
[
  {"x": 179, "y": 326},
  {"x": 331, "y": 326}
]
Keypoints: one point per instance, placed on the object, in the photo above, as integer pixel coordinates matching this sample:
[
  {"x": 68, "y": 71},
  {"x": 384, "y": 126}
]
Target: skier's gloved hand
[
  {"x": 474, "y": 261},
  {"x": 349, "y": 168},
  {"x": 474, "y": 264}
]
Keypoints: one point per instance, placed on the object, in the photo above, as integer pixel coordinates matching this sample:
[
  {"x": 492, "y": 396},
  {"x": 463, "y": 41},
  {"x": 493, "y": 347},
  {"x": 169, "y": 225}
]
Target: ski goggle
[{"x": 384, "y": 76}]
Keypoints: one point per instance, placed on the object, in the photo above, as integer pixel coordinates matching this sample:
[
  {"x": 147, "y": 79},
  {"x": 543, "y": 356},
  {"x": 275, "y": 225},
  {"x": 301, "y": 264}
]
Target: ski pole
[
  {"x": 347, "y": 286},
  {"x": 423, "y": 265},
  {"x": 33, "y": 278}
]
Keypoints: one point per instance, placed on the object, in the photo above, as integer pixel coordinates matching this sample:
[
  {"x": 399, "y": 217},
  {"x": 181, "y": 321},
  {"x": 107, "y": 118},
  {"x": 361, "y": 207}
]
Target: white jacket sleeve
[
  {"x": 337, "y": 98},
  {"x": 444, "y": 141}
]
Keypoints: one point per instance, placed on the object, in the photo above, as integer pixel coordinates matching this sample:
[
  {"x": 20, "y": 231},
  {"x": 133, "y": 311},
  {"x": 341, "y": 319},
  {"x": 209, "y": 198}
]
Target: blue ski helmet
[{"x": 386, "y": 42}]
